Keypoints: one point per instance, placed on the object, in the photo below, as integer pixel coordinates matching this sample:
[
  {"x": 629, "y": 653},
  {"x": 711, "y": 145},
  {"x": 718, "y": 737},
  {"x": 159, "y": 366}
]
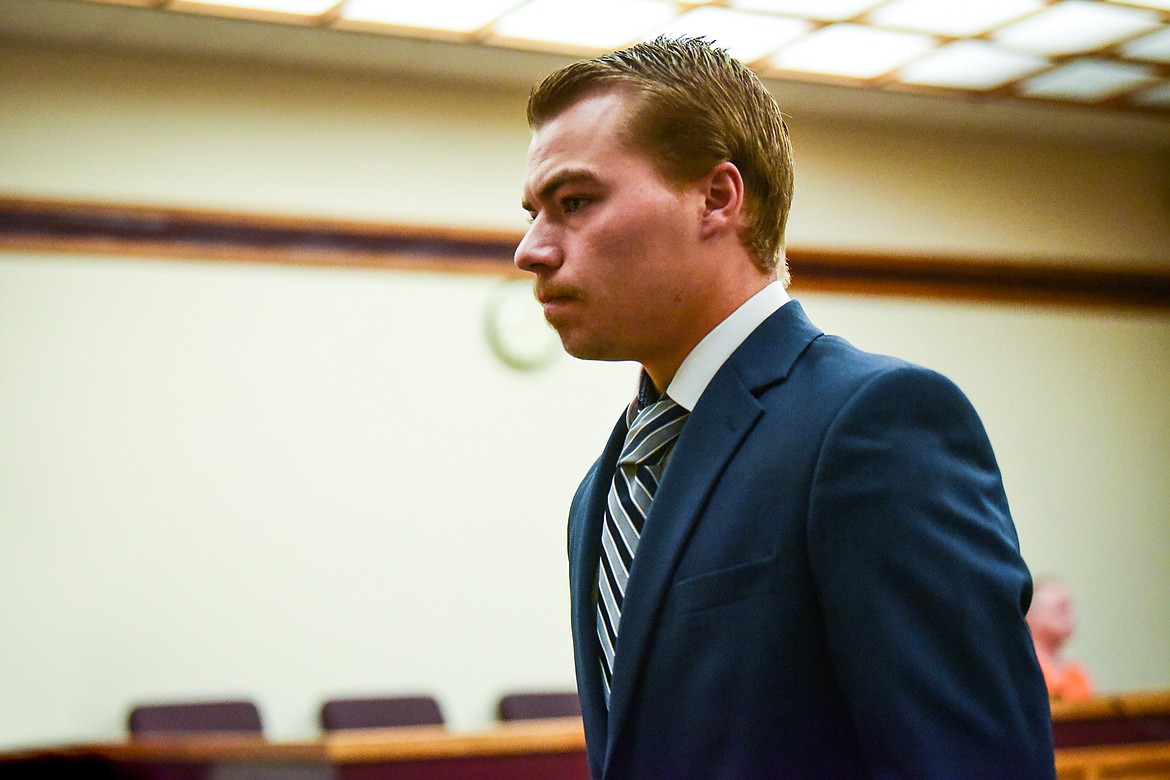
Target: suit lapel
[
  {"x": 585, "y": 519},
  {"x": 724, "y": 416}
]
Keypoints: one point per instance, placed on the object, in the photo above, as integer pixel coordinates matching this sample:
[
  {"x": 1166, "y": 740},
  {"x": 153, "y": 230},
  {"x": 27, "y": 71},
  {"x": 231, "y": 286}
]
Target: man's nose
[{"x": 538, "y": 249}]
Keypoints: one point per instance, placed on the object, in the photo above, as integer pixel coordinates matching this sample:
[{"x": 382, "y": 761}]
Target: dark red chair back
[
  {"x": 195, "y": 717},
  {"x": 536, "y": 705},
  {"x": 380, "y": 712}
]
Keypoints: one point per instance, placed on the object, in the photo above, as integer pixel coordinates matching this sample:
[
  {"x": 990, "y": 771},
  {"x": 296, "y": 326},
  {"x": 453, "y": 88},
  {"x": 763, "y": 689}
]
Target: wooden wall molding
[
  {"x": 162, "y": 232},
  {"x": 994, "y": 280},
  {"x": 81, "y": 227}
]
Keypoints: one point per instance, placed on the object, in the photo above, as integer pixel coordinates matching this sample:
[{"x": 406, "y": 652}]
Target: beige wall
[
  {"x": 223, "y": 479},
  {"x": 236, "y": 136},
  {"x": 925, "y": 190}
]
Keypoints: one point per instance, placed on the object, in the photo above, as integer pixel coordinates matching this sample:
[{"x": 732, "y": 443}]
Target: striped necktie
[{"x": 648, "y": 444}]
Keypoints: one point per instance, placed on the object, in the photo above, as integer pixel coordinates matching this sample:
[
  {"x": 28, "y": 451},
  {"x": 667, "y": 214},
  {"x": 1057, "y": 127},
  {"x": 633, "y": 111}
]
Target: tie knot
[{"x": 651, "y": 433}]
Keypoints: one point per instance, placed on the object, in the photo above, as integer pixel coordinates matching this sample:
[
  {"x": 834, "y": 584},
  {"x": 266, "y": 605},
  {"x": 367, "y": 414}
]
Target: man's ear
[{"x": 723, "y": 200}]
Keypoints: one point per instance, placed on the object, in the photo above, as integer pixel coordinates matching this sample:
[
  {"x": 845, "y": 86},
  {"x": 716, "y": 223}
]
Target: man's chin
[{"x": 583, "y": 348}]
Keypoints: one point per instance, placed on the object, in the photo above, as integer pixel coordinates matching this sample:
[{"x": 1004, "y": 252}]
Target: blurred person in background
[{"x": 1052, "y": 622}]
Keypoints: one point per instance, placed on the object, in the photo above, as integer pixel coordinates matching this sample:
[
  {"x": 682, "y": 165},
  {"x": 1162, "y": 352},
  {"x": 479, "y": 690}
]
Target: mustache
[{"x": 547, "y": 292}]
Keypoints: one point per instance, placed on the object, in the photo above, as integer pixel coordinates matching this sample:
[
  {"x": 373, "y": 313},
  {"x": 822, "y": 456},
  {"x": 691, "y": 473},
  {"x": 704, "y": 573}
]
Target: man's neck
[{"x": 661, "y": 372}]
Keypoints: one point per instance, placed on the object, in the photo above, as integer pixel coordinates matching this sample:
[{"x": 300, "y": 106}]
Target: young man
[{"x": 793, "y": 559}]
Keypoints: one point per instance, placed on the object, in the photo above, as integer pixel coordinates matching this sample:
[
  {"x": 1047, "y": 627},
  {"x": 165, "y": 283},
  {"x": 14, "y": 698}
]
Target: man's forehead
[
  {"x": 600, "y": 117},
  {"x": 571, "y": 152},
  {"x": 609, "y": 99},
  {"x": 1051, "y": 593},
  {"x": 595, "y": 124}
]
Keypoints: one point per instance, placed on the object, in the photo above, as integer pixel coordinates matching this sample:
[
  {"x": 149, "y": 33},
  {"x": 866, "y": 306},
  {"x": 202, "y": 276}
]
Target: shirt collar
[{"x": 712, "y": 352}]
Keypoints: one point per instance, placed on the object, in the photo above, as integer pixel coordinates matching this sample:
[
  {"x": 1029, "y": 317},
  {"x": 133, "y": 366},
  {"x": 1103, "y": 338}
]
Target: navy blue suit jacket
[{"x": 828, "y": 585}]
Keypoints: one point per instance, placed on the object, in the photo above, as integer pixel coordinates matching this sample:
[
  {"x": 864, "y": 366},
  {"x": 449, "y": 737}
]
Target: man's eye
[{"x": 571, "y": 204}]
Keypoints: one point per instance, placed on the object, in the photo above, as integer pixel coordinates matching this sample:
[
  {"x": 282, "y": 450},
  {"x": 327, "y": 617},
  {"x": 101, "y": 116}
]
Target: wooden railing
[
  {"x": 553, "y": 748},
  {"x": 1120, "y": 737},
  {"x": 1128, "y": 762},
  {"x": 1124, "y": 736}
]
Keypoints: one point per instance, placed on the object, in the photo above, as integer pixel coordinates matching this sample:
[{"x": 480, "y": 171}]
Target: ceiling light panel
[
  {"x": 746, "y": 36},
  {"x": 1075, "y": 26},
  {"x": 1088, "y": 80},
  {"x": 1154, "y": 47},
  {"x": 852, "y": 51},
  {"x": 293, "y": 7},
  {"x": 1157, "y": 97},
  {"x": 823, "y": 10},
  {"x": 957, "y": 18},
  {"x": 450, "y": 15},
  {"x": 1163, "y": 5},
  {"x": 600, "y": 24},
  {"x": 975, "y": 65},
  {"x": 1114, "y": 53}
]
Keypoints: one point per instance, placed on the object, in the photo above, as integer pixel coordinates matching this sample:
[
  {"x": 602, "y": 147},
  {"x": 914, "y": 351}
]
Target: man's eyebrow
[{"x": 560, "y": 179}]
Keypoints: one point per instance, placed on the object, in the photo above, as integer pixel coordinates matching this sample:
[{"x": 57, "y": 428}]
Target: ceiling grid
[{"x": 1110, "y": 54}]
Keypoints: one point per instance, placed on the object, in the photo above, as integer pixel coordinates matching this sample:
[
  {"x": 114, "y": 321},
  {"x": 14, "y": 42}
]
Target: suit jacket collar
[{"x": 724, "y": 416}]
